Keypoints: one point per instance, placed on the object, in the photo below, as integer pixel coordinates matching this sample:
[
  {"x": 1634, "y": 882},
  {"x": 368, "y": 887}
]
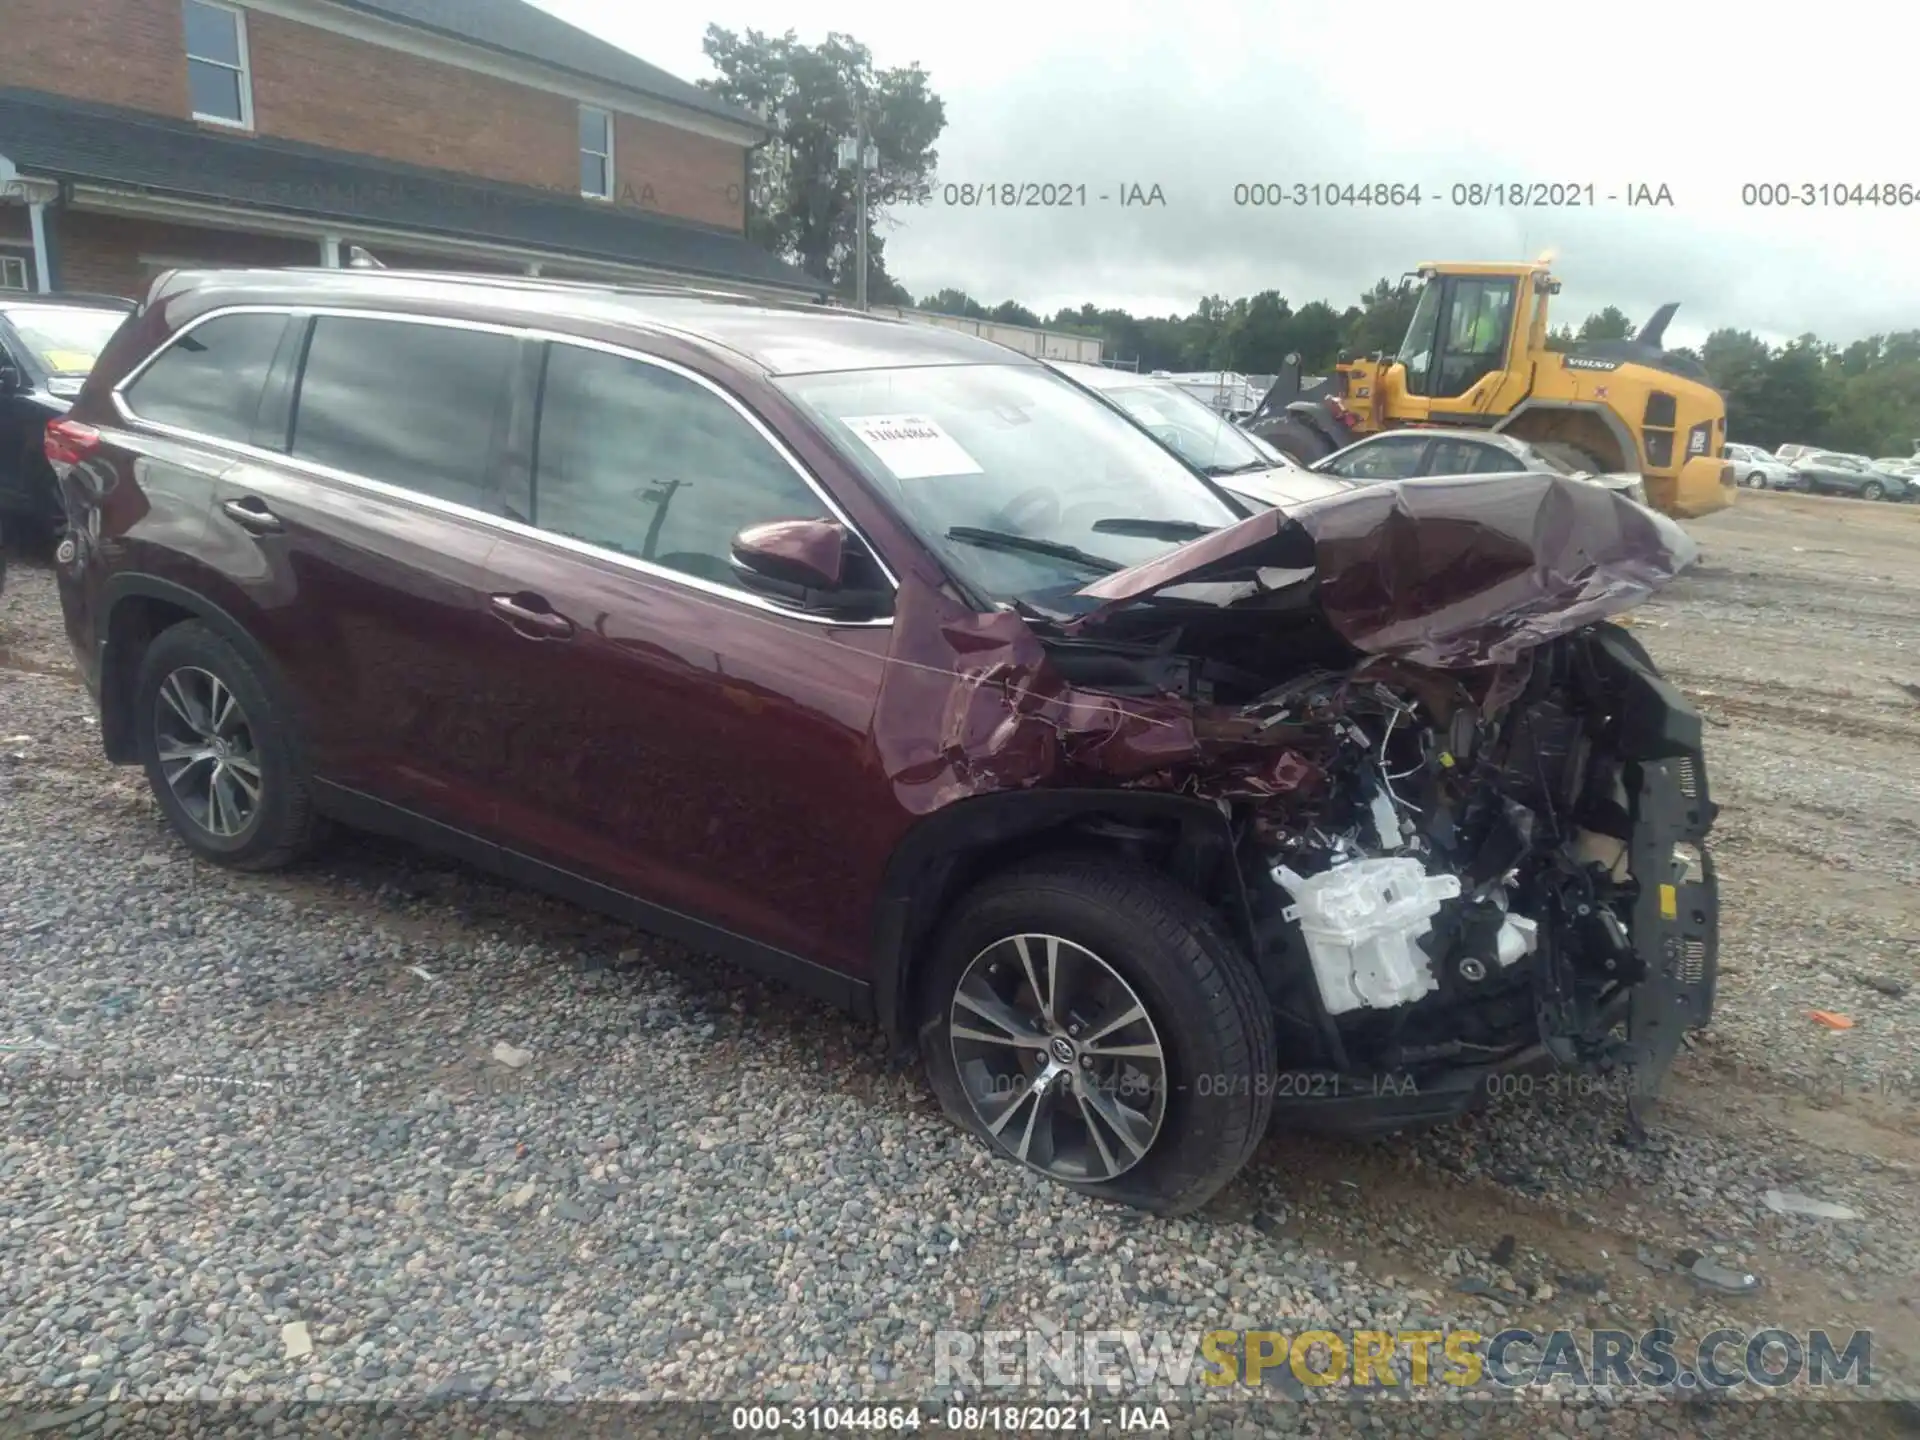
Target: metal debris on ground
[{"x": 1792, "y": 1202}]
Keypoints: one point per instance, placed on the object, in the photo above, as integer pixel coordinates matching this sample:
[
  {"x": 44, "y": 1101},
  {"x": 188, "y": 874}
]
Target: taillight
[{"x": 68, "y": 442}]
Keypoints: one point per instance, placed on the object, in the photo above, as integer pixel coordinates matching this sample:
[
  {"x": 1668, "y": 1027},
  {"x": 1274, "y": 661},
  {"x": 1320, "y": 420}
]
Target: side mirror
[
  {"x": 11, "y": 380},
  {"x": 812, "y": 565}
]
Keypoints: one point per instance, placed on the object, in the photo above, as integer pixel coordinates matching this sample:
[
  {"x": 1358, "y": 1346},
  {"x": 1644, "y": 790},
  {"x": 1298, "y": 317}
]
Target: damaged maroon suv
[{"x": 884, "y": 659}]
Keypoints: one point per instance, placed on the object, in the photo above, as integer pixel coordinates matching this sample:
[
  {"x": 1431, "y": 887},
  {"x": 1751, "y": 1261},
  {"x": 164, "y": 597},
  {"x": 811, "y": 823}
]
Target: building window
[
  {"x": 217, "y": 64},
  {"x": 596, "y": 153},
  {"x": 13, "y": 272}
]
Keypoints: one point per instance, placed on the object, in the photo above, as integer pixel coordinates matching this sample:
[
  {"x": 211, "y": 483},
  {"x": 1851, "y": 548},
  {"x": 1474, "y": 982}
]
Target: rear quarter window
[{"x": 209, "y": 379}]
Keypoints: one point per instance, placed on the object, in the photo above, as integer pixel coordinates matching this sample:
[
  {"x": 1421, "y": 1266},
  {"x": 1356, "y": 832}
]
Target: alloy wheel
[
  {"x": 1058, "y": 1057},
  {"x": 206, "y": 749}
]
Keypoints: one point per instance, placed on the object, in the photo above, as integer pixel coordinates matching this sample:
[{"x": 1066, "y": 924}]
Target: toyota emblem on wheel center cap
[
  {"x": 1062, "y": 1049},
  {"x": 65, "y": 552}
]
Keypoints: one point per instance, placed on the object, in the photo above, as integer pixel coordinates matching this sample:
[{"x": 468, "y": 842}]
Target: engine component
[
  {"x": 1362, "y": 922},
  {"x": 1518, "y": 937}
]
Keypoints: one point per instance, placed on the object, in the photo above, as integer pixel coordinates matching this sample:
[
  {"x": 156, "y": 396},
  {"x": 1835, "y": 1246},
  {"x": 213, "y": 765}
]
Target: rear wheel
[
  {"x": 219, "y": 753},
  {"x": 1090, "y": 1019},
  {"x": 1295, "y": 439}
]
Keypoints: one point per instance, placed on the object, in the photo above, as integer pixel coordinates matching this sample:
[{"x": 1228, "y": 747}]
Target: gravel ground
[{"x": 482, "y": 1146}]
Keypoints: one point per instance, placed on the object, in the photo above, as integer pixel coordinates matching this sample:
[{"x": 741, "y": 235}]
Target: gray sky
[{"x": 1197, "y": 98}]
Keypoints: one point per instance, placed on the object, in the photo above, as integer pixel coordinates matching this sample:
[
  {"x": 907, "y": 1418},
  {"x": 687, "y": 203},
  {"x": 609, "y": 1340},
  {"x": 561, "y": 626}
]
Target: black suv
[{"x": 48, "y": 344}]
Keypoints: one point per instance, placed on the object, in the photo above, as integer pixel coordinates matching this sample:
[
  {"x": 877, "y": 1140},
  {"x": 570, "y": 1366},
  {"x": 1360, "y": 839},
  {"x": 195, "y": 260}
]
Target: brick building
[{"x": 140, "y": 135}]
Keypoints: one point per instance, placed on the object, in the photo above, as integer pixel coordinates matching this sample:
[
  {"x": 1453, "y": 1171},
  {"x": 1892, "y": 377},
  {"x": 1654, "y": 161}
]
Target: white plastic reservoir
[{"x": 1361, "y": 921}]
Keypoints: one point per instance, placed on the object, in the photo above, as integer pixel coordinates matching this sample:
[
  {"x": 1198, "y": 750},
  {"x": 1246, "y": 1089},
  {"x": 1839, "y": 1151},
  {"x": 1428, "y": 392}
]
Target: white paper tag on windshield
[{"x": 912, "y": 446}]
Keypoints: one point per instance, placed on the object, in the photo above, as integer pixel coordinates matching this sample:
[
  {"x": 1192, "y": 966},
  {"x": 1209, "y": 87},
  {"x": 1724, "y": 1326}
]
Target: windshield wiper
[
  {"x": 1032, "y": 545},
  {"x": 1154, "y": 529},
  {"x": 1216, "y": 471}
]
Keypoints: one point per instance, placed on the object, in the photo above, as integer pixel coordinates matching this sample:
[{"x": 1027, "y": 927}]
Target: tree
[
  {"x": 1609, "y": 324},
  {"x": 1385, "y": 312},
  {"x": 955, "y": 302},
  {"x": 1737, "y": 364},
  {"x": 1316, "y": 336},
  {"x": 804, "y": 207}
]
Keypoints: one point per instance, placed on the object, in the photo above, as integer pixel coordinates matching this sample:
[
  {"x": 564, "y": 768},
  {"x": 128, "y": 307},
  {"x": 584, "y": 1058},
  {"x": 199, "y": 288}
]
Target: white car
[
  {"x": 1421, "y": 454},
  {"x": 1213, "y": 445},
  {"x": 1760, "y": 469}
]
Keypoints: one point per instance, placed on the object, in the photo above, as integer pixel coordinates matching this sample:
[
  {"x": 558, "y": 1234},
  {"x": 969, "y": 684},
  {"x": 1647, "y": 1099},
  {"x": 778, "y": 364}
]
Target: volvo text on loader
[{"x": 1476, "y": 354}]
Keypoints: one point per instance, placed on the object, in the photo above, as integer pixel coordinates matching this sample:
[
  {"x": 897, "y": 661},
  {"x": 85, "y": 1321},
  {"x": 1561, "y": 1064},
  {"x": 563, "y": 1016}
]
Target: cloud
[{"x": 1201, "y": 99}]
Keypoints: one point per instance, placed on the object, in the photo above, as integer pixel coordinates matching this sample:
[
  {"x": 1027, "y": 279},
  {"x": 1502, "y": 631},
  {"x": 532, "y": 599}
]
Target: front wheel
[
  {"x": 1872, "y": 490},
  {"x": 1090, "y": 1019}
]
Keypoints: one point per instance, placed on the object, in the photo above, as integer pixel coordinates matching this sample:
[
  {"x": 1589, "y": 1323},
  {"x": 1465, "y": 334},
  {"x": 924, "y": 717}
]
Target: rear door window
[
  {"x": 417, "y": 405},
  {"x": 638, "y": 459},
  {"x": 1470, "y": 457},
  {"x": 209, "y": 379}
]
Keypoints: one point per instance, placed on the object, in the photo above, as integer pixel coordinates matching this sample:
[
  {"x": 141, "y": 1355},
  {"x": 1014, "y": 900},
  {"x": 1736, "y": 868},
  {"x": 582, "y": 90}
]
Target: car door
[
  {"x": 362, "y": 552},
  {"x": 21, "y": 423},
  {"x": 1386, "y": 457},
  {"x": 670, "y": 734},
  {"x": 1837, "y": 472}
]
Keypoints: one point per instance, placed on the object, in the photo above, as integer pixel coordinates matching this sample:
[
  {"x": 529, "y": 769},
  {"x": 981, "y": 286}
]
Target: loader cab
[{"x": 1461, "y": 332}]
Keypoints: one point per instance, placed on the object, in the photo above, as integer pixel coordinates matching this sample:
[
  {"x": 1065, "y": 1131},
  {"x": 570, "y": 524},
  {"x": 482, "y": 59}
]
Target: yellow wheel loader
[{"x": 1476, "y": 355}]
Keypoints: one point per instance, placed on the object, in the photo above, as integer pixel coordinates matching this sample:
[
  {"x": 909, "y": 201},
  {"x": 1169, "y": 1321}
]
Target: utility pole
[{"x": 862, "y": 157}]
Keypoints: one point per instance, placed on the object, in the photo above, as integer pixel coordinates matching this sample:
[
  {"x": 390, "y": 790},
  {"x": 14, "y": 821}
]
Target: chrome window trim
[{"x": 388, "y": 490}]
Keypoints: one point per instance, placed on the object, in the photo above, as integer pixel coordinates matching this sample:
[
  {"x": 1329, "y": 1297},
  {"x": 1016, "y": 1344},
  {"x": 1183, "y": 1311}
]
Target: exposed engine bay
[
  {"x": 1467, "y": 815},
  {"x": 1460, "y": 869}
]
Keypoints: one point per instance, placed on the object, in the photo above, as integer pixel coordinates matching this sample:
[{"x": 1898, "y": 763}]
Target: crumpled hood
[{"x": 1449, "y": 573}]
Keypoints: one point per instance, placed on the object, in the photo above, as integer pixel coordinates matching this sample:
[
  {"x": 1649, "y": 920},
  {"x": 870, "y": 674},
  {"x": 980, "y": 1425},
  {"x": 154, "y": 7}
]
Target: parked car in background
[
  {"x": 1759, "y": 469},
  {"x": 892, "y": 662},
  {"x": 1417, "y": 454},
  {"x": 1829, "y": 472},
  {"x": 1216, "y": 447},
  {"x": 48, "y": 343}
]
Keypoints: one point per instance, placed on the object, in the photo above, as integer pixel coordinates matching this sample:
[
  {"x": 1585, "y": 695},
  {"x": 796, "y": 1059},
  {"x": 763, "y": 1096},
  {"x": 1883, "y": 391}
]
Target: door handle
[
  {"x": 251, "y": 513},
  {"x": 524, "y": 617}
]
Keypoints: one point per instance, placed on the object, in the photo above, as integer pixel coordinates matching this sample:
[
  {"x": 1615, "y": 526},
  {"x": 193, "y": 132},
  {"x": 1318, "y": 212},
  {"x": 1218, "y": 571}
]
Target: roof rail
[{"x": 509, "y": 280}]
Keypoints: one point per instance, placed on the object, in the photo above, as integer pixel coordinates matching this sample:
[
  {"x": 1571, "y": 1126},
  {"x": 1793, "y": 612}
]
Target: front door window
[{"x": 1479, "y": 320}]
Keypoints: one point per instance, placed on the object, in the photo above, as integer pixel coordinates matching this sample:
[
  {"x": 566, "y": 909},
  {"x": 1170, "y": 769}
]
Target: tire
[
  {"x": 1295, "y": 439},
  {"x": 1872, "y": 490},
  {"x": 279, "y": 825},
  {"x": 1204, "y": 1009}
]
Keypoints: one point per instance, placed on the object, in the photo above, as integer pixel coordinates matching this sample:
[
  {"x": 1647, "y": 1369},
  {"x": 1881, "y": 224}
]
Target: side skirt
[{"x": 363, "y": 812}]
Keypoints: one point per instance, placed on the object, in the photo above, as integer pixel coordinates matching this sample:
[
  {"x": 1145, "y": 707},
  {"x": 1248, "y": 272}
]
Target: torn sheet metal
[
  {"x": 1450, "y": 574},
  {"x": 1003, "y": 718}
]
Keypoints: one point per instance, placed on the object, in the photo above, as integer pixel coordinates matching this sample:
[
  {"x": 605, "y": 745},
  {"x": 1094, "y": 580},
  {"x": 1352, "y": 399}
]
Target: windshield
[
  {"x": 66, "y": 340},
  {"x": 1207, "y": 440},
  {"x": 1416, "y": 351},
  {"x": 1046, "y": 486}
]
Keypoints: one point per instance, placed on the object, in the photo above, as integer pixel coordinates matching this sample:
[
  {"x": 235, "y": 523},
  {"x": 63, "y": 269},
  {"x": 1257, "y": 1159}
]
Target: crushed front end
[
  {"x": 1497, "y": 870},
  {"x": 1464, "y": 816},
  {"x": 1470, "y": 815}
]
